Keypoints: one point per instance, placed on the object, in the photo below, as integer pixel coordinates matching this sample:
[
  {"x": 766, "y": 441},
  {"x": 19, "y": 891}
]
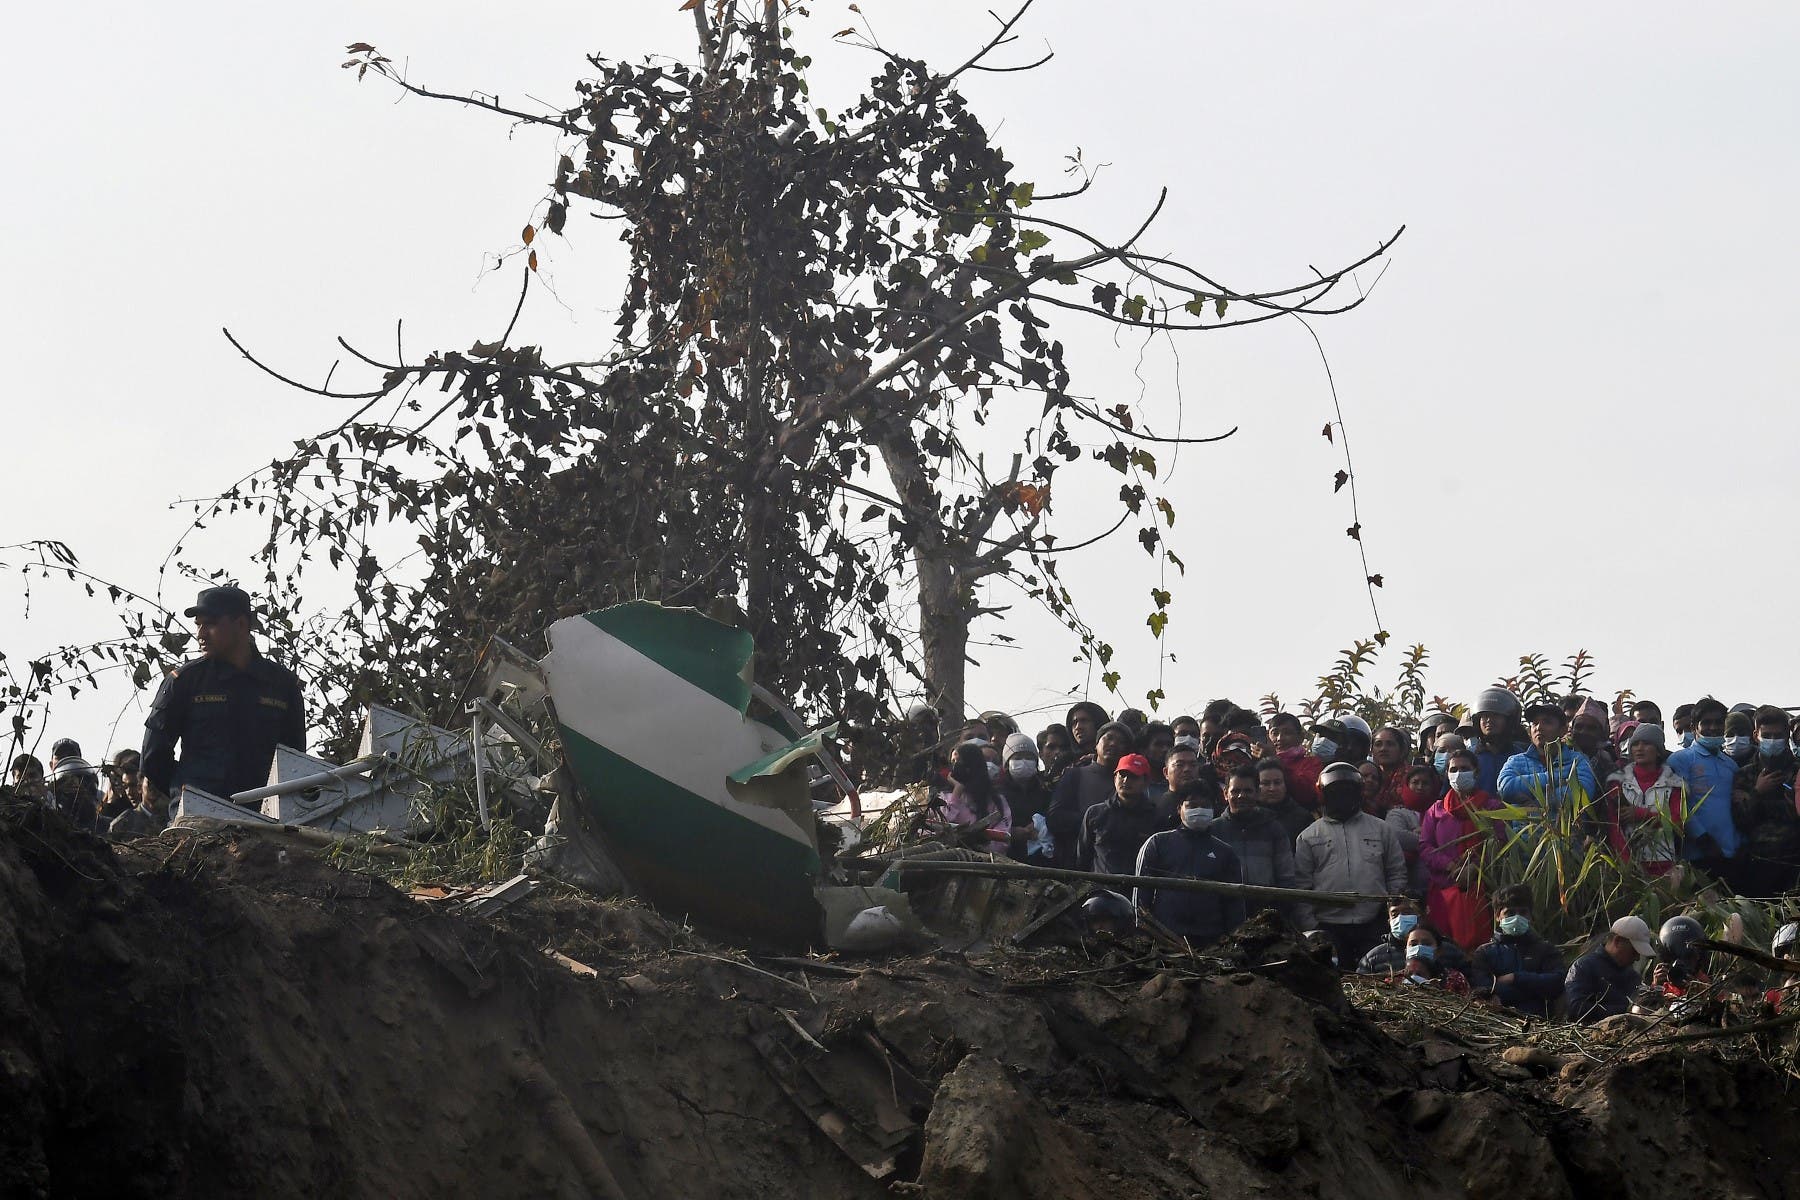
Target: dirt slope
[{"x": 212, "y": 1016}]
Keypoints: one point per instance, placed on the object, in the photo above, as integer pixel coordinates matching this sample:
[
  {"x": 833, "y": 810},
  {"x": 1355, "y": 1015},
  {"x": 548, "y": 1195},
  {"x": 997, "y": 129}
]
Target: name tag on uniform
[
  {"x": 211, "y": 698},
  {"x": 272, "y": 702}
]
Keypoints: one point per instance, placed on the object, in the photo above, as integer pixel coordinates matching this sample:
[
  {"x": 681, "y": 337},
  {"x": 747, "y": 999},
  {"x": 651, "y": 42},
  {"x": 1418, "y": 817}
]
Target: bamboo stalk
[
  {"x": 1700, "y": 1035},
  {"x": 1012, "y": 870}
]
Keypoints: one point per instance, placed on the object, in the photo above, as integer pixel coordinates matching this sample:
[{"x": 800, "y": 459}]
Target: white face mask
[
  {"x": 1324, "y": 747},
  {"x": 1195, "y": 817},
  {"x": 1022, "y": 768},
  {"x": 1463, "y": 781},
  {"x": 993, "y": 772}
]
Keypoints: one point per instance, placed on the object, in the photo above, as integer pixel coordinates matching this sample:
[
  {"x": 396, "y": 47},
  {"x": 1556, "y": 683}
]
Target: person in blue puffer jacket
[
  {"x": 1711, "y": 834},
  {"x": 1548, "y": 774}
]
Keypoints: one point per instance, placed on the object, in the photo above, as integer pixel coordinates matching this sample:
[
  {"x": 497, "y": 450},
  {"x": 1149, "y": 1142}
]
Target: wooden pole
[{"x": 1012, "y": 870}]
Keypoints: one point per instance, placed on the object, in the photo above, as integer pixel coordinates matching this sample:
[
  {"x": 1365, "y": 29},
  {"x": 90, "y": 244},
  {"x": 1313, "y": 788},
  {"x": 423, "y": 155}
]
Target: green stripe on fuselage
[
  {"x": 708, "y": 655},
  {"x": 691, "y": 856}
]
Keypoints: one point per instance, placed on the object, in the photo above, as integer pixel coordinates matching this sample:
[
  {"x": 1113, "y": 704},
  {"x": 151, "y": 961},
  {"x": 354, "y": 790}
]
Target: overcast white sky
[{"x": 1570, "y": 397}]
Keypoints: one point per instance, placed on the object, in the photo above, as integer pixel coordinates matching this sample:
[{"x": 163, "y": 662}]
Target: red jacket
[
  {"x": 1396, "y": 794},
  {"x": 1302, "y": 771}
]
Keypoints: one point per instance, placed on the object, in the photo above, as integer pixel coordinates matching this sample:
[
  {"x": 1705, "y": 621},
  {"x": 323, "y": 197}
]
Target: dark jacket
[
  {"x": 1769, "y": 826},
  {"x": 1201, "y": 917},
  {"x": 1293, "y": 816},
  {"x": 1265, "y": 852},
  {"x": 1027, "y": 799},
  {"x": 1079, "y": 789},
  {"x": 1535, "y": 965},
  {"x": 1112, "y": 835},
  {"x": 1389, "y": 955},
  {"x": 228, "y": 723},
  {"x": 1598, "y": 987}
]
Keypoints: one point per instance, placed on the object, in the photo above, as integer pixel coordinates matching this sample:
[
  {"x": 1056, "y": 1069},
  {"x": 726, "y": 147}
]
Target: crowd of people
[
  {"x": 1401, "y": 818},
  {"x": 1374, "y": 841}
]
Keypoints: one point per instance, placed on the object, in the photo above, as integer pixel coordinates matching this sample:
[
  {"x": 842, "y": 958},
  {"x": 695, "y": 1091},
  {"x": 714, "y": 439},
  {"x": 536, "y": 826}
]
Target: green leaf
[
  {"x": 1134, "y": 308},
  {"x": 1143, "y": 460},
  {"x": 1219, "y": 306},
  {"x": 1021, "y": 194},
  {"x": 1167, "y": 509},
  {"x": 1157, "y": 621},
  {"x": 1161, "y": 597},
  {"x": 1033, "y": 239}
]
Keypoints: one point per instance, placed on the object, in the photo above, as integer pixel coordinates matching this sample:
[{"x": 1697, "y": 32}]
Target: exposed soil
[{"x": 217, "y": 1015}]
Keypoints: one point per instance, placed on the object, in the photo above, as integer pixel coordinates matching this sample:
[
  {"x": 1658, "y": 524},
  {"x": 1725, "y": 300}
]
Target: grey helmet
[
  {"x": 1495, "y": 700},
  {"x": 1785, "y": 940},
  {"x": 1434, "y": 720}
]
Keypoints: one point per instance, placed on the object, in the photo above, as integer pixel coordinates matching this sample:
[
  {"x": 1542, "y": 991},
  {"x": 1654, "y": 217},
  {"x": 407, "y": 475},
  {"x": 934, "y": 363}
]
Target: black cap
[
  {"x": 221, "y": 602},
  {"x": 1546, "y": 706},
  {"x": 65, "y": 748}
]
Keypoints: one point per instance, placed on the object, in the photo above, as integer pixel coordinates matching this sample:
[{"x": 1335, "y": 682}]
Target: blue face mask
[
  {"x": 1711, "y": 742},
  {"x": 1403, "y": 924},
  {"x": 1513, "y": 925},
  {"x": 1687, "y": 738},
  {"x": 1324, "y": 748},
  {"x": 1771, "y": 747},
  {"x": 1739, "y": 747},
  {"x": 1442, "y": 761},
  {"x": 1428, "y": 953}
]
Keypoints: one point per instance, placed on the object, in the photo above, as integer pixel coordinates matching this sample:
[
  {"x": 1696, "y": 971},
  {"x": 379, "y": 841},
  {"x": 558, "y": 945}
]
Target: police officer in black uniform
[{"x": 228, "y": 709}]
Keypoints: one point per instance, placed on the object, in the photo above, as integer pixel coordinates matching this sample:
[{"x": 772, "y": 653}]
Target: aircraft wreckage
[{"x": 676, "y": 777}]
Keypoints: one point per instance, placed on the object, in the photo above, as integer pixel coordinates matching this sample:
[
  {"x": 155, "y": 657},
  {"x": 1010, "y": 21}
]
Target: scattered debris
[
  {"x": 494, "y": 897},
  {"x": 580, "y": 969},
  {"x": 853, "y": 1089}
]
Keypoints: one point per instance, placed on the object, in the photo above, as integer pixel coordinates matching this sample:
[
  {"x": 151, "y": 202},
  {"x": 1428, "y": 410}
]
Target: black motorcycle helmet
[
  {"x": 1109, "y": 912},
  {"x": 1680, "y": 938}
]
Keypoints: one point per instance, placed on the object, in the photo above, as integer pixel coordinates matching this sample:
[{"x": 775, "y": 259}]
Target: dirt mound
[{"x": 221, "y": 1015}]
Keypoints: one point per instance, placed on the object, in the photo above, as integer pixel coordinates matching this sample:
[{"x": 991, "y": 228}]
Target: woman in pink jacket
[{"x": 1449, "y": 842}]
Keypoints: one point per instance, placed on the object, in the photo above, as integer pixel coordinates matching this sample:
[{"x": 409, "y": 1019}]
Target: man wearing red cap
[{"x": 1113, "y": 832}]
